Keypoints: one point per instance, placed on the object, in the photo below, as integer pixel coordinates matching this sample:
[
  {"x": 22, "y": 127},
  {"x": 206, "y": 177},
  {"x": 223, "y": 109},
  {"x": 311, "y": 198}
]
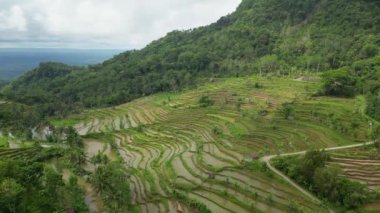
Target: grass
[
  {"x": 4, "y": 142},
  {"x": 174, "y": 144},
  {"x": 63, "y": 123}
]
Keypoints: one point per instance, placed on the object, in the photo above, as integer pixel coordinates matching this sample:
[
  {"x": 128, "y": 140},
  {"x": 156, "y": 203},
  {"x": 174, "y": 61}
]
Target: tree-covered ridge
[{"x": 266, "y": 36}]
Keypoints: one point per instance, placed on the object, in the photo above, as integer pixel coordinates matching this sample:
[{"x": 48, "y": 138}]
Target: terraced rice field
[
  {"x": 363, "y": 165},
  {"x": 360, "y": 164},
  {"x": 19, "y": 154},
  {"x": 210, "y": 154}
]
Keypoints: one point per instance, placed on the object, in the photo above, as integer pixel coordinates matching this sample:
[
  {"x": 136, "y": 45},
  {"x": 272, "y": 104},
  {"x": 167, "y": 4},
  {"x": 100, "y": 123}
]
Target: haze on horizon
[{"x": 97, "y": 24}]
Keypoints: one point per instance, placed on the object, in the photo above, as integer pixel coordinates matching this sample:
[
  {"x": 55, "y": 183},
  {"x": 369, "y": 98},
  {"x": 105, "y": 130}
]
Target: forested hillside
[{"x": 262, "y": 36}]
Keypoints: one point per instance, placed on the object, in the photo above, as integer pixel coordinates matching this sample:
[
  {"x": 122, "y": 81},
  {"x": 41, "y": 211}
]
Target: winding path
[{"x": 268, "y": 158}]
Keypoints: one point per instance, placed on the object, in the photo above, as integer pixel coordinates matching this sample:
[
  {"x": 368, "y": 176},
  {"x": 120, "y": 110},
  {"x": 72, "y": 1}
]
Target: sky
[{"x": 102, "y": 24}]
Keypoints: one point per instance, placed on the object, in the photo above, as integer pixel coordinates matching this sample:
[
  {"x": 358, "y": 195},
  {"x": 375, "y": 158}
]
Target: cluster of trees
[
  {"x": 205, "y": 101},
  {"x": 326, "y": 181},
  {"x": 21, "y": 181},
  {"x": 362, "y": 78},
  {"x": 369, "y": 75},
  {"x": 262, "y": 36},
  {"x": 288, "y": 110},
  {"x": 32, "y": 187},
  {"x": 339, "y": 83},
  {"x": 111, "y": 180},
  {"x": 18, "y": 118},
  {"x": 75, "y": 155}
]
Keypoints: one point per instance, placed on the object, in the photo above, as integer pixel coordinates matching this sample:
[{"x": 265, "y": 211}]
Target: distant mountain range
[{"x": 16, "y": 61}]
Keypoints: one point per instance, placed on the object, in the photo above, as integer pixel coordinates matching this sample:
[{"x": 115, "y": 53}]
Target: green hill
[{"x": 262, "y": 36}]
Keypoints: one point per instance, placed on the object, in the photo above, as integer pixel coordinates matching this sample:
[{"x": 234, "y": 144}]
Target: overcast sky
[{"x": 121, "y": 24}]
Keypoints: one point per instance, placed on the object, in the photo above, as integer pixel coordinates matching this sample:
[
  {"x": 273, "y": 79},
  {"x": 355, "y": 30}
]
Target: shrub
[
  {"x": 258, "y": 85},
  {"x": 200, "y": 207},
  {"x": 287, "y": 110},
  {"x": 205, "y": 101},
  {"x": 217, "y": 131},
  {"x": 339, "y": 83}
]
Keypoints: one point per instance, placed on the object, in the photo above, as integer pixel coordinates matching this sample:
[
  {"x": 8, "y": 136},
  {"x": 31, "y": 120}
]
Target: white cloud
[
  {"x": 102, "y": 23},
  {"x": 13, "y": 19}
]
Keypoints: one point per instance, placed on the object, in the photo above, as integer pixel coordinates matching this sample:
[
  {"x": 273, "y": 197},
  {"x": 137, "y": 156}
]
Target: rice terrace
[
  {"x": 227, "y": 106},
  {"x": 201, "y": 148}
]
